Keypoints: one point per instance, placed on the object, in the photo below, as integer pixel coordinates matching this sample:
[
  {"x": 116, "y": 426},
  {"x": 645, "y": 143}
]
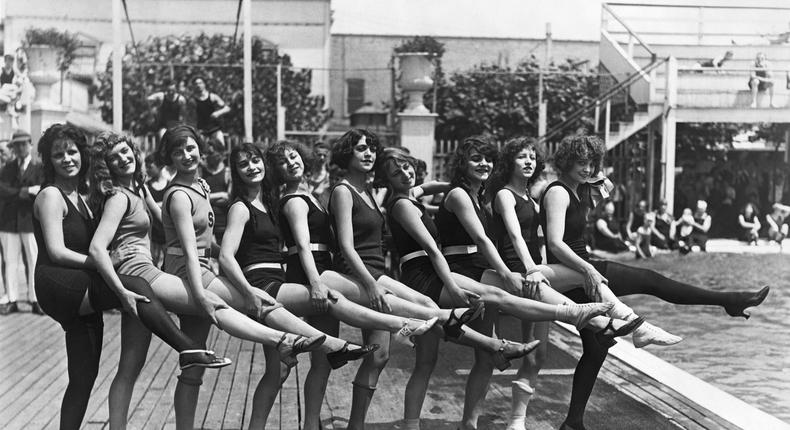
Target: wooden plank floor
[{"x": 33, "y": 378}]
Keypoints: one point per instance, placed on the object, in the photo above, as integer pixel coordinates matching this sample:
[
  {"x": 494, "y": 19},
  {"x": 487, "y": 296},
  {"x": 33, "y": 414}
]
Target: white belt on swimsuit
[
  {"x": 459, "y": 249},
  {"x": 313, "y": 247},
  {"x": 412, "y": 256},
  {"x": 255, "y": 266},
  {"x": 172, "y": 250}
]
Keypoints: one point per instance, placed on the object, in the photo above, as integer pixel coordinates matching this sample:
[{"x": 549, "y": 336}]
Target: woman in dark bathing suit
[
  {"x": 566, "y": 203},
  {"x": 67, "y": 284},
  {"x": 515, "y": 230}
]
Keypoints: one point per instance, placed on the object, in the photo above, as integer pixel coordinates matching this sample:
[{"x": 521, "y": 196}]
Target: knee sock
[
  {"x": 626, "y": 280},
  {"x": 155, "y": 317},
  {"x": 83, "y": 351},
  {"x": 522, "y": 393},
  {"x": 585, "y": 375}
]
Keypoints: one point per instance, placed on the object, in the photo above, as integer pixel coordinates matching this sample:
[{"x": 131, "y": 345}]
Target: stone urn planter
[
  {"x": 416, "y": 69},
  {"x": 43, "y": 72}
]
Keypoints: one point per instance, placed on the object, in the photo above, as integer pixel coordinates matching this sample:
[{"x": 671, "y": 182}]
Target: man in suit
[
  {"x": 5, "y": 156},
  {"x": 20, "y": 181}
]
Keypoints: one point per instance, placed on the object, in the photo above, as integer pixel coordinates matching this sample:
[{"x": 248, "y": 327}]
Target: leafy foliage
[
  {"x": 503, "y": 101},
  {"x": 66, "y": 43},
  {"x": 218, "y": 60},
  {"x": 421, "y": 44}
]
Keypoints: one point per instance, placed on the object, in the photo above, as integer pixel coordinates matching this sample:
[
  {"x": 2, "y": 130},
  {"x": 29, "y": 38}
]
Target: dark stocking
[
  {"x": 626, "y": 280},
  {"x": 83, "y": 351},
  {"x": 584, "y": 377},
  {"x": 155, "y": 317}
]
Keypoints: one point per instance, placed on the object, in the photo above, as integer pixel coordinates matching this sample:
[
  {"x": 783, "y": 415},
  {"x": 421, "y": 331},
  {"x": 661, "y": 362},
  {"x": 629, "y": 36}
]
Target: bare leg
[
  {"x": 427, "y": 352},
  {"x": 135, "y": 339},
  {"x": 318, "y": 375},
  {"x": 479, "y": 376},
  {"x": 296, "y": 298},
  {"x": 189, "y": 381},
  {"x": 266, "y": 392},
  {"x": 526, "y": 379},
  {"x": 367, "y": 377}
]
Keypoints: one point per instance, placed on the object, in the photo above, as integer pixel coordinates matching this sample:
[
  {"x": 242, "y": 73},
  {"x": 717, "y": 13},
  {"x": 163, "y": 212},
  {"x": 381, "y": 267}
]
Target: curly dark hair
[
  {"x": 59, "y": 134},
  {"x": 176, "y": 136},
  {"x": 504, "y": 167},
  {"x": 390, "y": 154},
  {"x": 574, "y": 149},
  {"x": 276, "y": 153},
  {"x": 248, "y": 150},
  {"x": 456, "y": 166},
  {"x": 343, "y": 148},
  {"x": 102, "y": 181}
]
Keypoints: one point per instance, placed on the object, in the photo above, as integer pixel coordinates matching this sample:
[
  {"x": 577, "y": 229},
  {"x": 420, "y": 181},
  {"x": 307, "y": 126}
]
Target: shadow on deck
[{"x": 33, "y": 378}]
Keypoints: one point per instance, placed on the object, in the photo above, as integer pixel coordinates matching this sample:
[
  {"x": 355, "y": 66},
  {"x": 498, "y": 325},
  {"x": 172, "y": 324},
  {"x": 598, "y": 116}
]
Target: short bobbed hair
[
  {"x": 456, "y": 166},
  {"x": 578, "y": 148},
  {"x": 343, "y": 148},
  {"x": 276, "y": 152},
  {"x": 59, "y": 134},
  {"x": 175, "y": 137},
  {"x": 504, "y": 167}
]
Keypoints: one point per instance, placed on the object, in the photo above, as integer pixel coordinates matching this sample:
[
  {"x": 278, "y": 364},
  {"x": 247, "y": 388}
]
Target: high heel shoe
[
  {"x": 648, "y": 334},
  {"x": 407, "y": 333},
  {"x": 201, "y": 358},
  {"x": 580, "y": 314},
  {"x": 289, "y": 350},
  {"x": 511, "y": 350},
  {"x": 453, "y": 327},
  {"x": 605, "y": 337},
  {"x": 754, "y": 299},
  {"x": 342, "y": 356}
]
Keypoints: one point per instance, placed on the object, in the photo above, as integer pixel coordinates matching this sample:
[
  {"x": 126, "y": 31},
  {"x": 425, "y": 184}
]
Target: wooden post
[
  {"x": 651, "y": 165},
  {"x": 117, "y": 67},
  {"x": 668, "y": 128},
  {"x": 280, "y": 108},
  {"x": 247, "y": 70}
]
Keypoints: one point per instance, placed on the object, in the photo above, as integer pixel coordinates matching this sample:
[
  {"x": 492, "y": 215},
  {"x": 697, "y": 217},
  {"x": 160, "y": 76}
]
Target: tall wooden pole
[
  {"x": 117, "y": 67},
  {"x": 247, "y": 70}
]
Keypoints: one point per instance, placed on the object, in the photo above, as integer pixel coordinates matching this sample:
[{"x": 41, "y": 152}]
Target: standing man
[
  {"x": 171, "y": 106},
  {"x": 5, "y": 157},
  {"x": 209, "y": 107},
  {"x": 20, "y": 181}
]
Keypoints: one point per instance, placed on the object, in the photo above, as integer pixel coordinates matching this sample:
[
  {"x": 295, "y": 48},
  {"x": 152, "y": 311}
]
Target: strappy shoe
[
  {"x": 605, "y": 336},
  {"x": 754, "y": 299},
  {"x": 201, "y": 358},
  {"x": 407, "y": 333},
  {"x": 342, "y": 356},
  {"x": 290, "y": 349},
  {"x": 511, "y": 350},
  {"x": 453, "y": 327}
]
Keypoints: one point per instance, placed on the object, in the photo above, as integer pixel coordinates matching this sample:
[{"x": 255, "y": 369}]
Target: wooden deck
[{"x": 33, "y": 378}]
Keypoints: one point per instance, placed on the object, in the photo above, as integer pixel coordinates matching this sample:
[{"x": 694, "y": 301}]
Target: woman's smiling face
[
  {"x": 66, "y": 159},
  {"x": 250, "y": 168},
  {"x": 363, "y": 157},
  {"x": 186, "y": 156},
  {"x": 478, "y": 166},
  {"x": 121, "y": 160}
]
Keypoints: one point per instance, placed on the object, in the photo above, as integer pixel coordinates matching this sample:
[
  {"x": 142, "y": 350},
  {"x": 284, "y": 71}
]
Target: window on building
[{"x": 355, "y": 94}]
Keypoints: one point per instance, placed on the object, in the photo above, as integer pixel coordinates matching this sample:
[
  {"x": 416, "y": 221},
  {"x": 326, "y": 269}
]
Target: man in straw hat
[{"x": 20, "y": 181}]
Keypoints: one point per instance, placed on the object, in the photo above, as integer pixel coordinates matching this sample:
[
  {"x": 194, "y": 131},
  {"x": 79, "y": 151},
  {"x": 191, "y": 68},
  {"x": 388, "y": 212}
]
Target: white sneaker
[{"x": 648, "y": 334}]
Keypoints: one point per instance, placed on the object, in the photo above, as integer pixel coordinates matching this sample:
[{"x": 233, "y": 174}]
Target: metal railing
[
  {"x": 694, "y": 24},
  {"x": 602, "y": 100},
  {"x": 632, "y": 36}
]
